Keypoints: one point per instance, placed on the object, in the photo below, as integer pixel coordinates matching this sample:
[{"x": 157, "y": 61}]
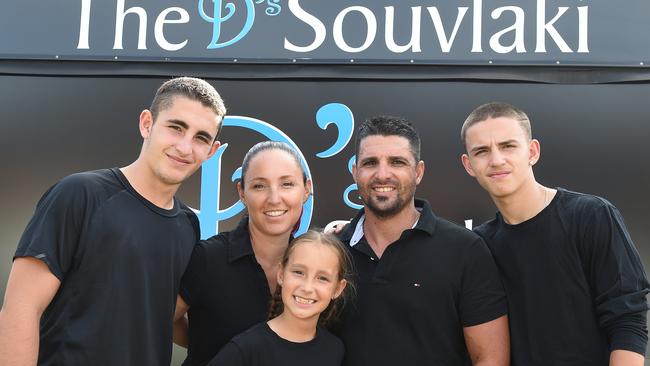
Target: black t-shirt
[
  {"x": 226, "y": 290},
  {"x": 575, "y": 283},
  {"x": 261, "y": 346},
  {"x": 413, "y": 303},
  {"x": 119, "y": 259}
]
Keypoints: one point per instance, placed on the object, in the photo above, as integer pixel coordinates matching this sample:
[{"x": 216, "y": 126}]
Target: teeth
[
  {"x": 384, "y": 189},
  {"x": 275, "y": 213},
  {"x": 302, "y": 300}
]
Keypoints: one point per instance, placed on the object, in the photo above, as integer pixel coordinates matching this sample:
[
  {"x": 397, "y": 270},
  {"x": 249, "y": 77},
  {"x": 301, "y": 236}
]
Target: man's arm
[
  {"x": 488, "y": 344},
  {"x": 30, "y": 289},
  {"x": 181, "y": 325},
  {"x": 618, "y": 281},
  {"x": 621, "y": 357}
]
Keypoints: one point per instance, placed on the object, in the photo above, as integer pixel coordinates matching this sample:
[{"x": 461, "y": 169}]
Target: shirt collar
[
  {"x": 239, "y": 241},
  {"x": 354, "y": 232}
]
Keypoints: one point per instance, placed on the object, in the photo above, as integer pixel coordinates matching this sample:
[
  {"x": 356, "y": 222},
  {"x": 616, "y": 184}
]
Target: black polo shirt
[
  {"x": 227, "y": 292},
  {"x": 413, "y": 302}
]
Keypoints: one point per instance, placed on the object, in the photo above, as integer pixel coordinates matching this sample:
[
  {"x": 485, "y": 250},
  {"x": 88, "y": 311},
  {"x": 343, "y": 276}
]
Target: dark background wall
[{"x": 593, "y": 137}]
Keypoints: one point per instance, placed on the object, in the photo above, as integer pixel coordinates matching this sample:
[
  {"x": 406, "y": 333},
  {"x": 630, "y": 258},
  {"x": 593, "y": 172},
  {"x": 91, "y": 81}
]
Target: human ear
[
  {"x": 339, "y": 289},
  {"x": 279, "y": 277},
  {"x": 145, "y": 123},
  {"x": 240, "y": 191},
  {"x": 308, "y": 188},
  {"x": 464, "y": 159},
  {"x": 419, "y": 171},
  {"x": 214, "y": 148},
  {"x": 534, "y": 151}
]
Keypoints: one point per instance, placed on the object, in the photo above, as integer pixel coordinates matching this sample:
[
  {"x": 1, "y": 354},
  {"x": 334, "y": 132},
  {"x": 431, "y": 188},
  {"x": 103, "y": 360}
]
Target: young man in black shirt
[
  {"x": 575, "y": 283},
  {"x": 97, "y": 270},
  {"x": 428, "y": 290}
]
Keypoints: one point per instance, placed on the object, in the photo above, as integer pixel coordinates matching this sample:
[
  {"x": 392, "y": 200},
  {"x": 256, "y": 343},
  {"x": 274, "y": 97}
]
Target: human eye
[
  {"x": 297, "y": 272},
  {"x": 203, "y": 139},
  {"x": 480, "y": 152},
  {"x": 174, "y": 128},
  {"x": 288, "y": 184},
  {"x": 323, "y": 278},
  {"x": 258, "y": 186},
  {"x": 369, "y": 163}
]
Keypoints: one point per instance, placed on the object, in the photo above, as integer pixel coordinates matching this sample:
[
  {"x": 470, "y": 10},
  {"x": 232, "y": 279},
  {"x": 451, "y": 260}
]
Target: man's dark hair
[
  {"x": 389, "y": 126},
  {"x": 192, "y": 88}
]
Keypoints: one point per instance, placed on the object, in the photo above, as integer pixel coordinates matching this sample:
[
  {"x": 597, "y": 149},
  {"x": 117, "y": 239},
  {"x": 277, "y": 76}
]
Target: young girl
[{"x": 313, "y": 281}]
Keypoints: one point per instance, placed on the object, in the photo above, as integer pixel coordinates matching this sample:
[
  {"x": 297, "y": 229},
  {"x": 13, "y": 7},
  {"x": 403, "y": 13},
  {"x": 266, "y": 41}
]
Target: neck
[
  {"x": 380, "y": 232},
  {"x": 268, "y": 249},
  {"x": 149, "y": 187},
  {"x": 525, "y": 203},
  {"x": 294, "y": 329}
]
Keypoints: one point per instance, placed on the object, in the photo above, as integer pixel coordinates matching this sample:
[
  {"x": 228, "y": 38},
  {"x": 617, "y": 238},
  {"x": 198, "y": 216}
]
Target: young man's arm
[
  {"x": 30, "y": 289},
  {"x": 488, "y": 344},
  {"x": 181, "y": 325},
  {"x": 625, "y": 358},
  {"x": 618, "y": 281}
]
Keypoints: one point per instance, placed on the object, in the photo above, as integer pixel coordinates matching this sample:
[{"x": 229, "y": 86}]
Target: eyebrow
[
  {"x": 390, "y": 158},
  {"x": 184, "y": 125},
  {"x": 500, "y": 143},
  {"x": 318, "y": 271}
]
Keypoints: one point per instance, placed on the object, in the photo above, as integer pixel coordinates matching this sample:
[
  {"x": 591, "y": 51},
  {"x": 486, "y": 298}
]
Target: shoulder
[
  {"x": 251, "y": 338},
  {"x": 581, "y": 201},
  {"x": 215, "y": 244},
  {"x": 454, "y": 233},
  {"x": 91, "y": 181},
  {"x": 487, "y": 229},
  {"x": 80, "y": 191},
  {"x": 582, "y": 207},
  {"x": 329, "y": 338}
]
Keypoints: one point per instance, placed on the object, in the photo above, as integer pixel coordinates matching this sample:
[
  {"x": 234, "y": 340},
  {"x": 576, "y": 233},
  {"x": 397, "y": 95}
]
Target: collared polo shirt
[
  {"x": 227, "y": 292},
  {"x": 413, "y": 303}
]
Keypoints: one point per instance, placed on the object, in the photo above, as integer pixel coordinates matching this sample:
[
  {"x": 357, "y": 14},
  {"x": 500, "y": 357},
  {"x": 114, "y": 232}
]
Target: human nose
[
  {"x": 307, "y": 285},
  {"x": 497, "y": 158},
  {"x": 383, "y": 171},
  {"x": 184, "y": 146},
  {"x": 274, "y": 195}
]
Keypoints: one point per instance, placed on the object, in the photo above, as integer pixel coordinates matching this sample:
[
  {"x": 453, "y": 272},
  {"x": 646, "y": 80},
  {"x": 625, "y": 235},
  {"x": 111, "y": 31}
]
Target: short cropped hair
[
  {"x": 192, "y": 88},
  {"x": 389, "y": 126},
  {"x": 496, "y": 110}
]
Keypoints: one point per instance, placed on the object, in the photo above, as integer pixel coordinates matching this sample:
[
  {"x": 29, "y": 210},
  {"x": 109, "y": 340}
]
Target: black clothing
[
  {"x": 119, "y": 259},
  {"x": 226, "y": 290},
  {"x": 413, "y": 302},
  {"x": 261, "y": 346},
  {"x": 575, "y": 283}
]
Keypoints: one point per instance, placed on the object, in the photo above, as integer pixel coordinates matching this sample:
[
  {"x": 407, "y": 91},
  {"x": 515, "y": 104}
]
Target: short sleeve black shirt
[
  {"x": 260, "y": 346},
  {"x": 119, "y": 259},
  {"x": 226, "y": 290},
  {"x": 575, "y": 283},
  {"x": 413, "y": 302}
]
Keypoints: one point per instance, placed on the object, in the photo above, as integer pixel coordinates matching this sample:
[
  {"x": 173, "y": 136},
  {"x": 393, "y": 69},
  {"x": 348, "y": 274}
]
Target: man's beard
[{"x": 400, "y": 203}]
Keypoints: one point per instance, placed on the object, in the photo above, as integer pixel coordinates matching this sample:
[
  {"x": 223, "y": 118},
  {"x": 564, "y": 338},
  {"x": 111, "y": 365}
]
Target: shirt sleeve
[
  {"x": 52, "y": 234},
  {"x": 482, "y": 297},
  {"x": 193, "y": 278},
  {"x": 229, "y": 355},
  {"x": 617, "y": 278}
]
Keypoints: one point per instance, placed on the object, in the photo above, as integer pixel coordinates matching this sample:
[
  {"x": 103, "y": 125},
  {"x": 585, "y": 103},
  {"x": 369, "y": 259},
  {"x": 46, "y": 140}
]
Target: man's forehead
[
  {"x": 392, "y": 145},
  {"x": 495, "y": 129}
]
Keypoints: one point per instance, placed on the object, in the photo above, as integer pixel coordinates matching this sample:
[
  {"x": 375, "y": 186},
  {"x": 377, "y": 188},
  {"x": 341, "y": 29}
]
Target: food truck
[{"x": 75, "y": 74}]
